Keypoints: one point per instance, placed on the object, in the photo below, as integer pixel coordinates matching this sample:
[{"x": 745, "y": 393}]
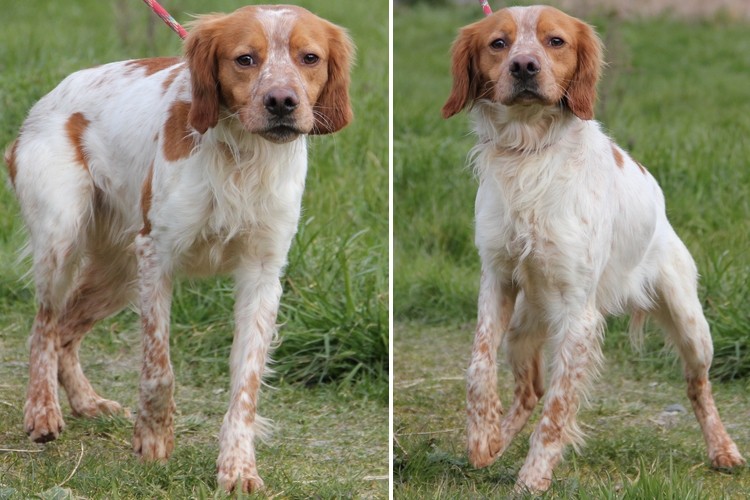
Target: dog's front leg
[
  {"x": 483, "y": 407},
  {"x": 257, "y": 300},
  {"x": 153, "y": 437}
]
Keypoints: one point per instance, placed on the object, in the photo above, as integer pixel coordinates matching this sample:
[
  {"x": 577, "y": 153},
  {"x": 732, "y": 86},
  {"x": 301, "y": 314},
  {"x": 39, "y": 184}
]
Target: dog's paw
[
  {"x": 526, "y": 484},
  {"x": 233, "y": 472},
  {"x": 153, "y": 441},
  {"x": 727, "y": 458},
  {"x": 484, "y": 435},
  {"x": 97, "y": 407},
  {"x": 43, "y": 423},
  {"x": 484, "y": 450}
]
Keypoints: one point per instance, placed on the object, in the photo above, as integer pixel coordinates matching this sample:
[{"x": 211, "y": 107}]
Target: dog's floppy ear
[
  {"x": 333, "y": 110},
  {"x": 200, "y": 52},
  {"x": 465, "y": 80},
  {"x": 581, "y": 92}
]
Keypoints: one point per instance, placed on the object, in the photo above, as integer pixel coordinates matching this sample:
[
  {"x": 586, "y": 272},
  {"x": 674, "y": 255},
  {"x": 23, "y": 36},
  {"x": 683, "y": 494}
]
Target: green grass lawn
[
  {"x": 329, "y": 397},
  {"x": 675, "y": 94},
  {"x": 633, "y": 448}
]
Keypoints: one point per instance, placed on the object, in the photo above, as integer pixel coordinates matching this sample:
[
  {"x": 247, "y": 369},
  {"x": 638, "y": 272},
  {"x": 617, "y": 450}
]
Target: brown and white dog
[
  {"x": 569, "y": 229},
  {"x": 132, "y": 172}
]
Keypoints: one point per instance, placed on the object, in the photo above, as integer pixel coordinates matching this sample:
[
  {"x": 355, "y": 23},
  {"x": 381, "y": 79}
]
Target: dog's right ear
[
  {"x": 333, "y": 110},
  {"x": 581, "y": 92},
  {"x": 200, "y": 52},
  {"x": 465, "y": 84}
]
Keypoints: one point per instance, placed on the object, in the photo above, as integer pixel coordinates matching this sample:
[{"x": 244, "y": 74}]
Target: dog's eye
[
  {"x": 498, "y": 44},
  {"x": 556, "y": 42},
  {"x": 245, "y": 60},
  {"x": 310, "y": 59}
]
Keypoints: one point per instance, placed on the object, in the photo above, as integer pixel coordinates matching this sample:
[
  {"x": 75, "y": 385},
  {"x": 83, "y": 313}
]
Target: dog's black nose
[
  {"x": 524, "y": 67},
  {"x": 281, "y": 102}
]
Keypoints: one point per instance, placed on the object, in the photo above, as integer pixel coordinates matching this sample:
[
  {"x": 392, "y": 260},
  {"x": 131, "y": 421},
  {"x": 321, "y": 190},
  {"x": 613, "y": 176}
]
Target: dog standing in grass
[
  {"x": 132, "y": 172},
  {"x": 569, "y": 229}
]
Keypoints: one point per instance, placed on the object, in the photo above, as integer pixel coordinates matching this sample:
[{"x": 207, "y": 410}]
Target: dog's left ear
[
  {"x": 333, "y": 110},
  {"x": 581, "y": 93},
  {"x": 200, "y": 52}
]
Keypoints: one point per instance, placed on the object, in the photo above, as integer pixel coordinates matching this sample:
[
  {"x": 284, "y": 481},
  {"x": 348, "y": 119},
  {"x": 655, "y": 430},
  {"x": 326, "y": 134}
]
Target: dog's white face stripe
[
  {"x": 277, "y": 24},
  {"x": 526, "y": 35}
]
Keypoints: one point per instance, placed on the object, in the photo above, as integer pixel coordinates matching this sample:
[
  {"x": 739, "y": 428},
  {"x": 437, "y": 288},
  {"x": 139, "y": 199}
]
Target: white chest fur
[{"x": 236, "y": 200}]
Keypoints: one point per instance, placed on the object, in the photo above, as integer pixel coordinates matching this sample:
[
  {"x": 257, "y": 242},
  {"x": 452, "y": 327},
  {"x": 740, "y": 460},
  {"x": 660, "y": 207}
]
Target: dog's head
[
  {"x": 526, "y": 56},
  {"x": 281, "y": 70}
]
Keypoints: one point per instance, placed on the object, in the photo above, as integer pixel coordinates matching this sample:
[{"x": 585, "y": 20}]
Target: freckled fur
[
  {"x": 132, "y": 172},
  {"x": 569, "y": 230}
]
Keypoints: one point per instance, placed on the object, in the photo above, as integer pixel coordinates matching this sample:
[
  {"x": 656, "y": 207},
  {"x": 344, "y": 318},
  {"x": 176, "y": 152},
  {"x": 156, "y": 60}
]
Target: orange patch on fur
[
  {"x": 251, "y": 389},
  {"x": 178, "y": 138},
  {"x": 153, "y": 64},
  {"x": 643, "y": 169},
  {"x": 75, "y": 127},
  {"x": 552, "y": 432},
  {"x": 696, "y": 386},
  {"x": 10, "y": 160},
  {"x": 472, "y": 73},
  {"x": 483, "y": 349},
  {"x": 146, "y": 196},
  {"x": 538, "y": 378},
  {"x": 170, "y": 78},
  {"x": 619, "y": 160}
]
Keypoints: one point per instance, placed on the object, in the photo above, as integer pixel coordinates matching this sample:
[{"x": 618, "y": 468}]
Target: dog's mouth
[
  {"x": 281, "y": 133},
  {"x": 527, "y": 95}
]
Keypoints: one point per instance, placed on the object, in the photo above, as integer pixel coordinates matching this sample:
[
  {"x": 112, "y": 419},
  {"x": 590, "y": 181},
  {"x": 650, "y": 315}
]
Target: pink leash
[
  {"x": 485, "y": 7},
  {"x": 159, "y": 10}
]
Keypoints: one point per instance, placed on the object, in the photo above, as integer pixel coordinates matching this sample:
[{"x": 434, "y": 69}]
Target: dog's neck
[{"x": 520, "y": 130}]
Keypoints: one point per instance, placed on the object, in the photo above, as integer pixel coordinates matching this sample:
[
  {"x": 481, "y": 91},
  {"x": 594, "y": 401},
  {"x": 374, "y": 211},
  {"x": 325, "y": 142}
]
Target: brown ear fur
[
  {"x": 465, "y": 81},
  {"x": 200, "y": 52},
  {"x": 581, "y": 93},
  {"x": 333, "y": 110}
]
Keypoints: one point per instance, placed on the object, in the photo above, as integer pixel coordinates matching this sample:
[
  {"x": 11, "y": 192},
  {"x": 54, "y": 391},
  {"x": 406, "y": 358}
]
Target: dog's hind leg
[
  {"x": 483, "y": 408},
  {"x": 524, "y": 351},
  {"x": 56, "y": 202},
  {"x": 43, "y": 419},
  {"x": 103, "y": 289},
  {"x": 679, "y": 312}
]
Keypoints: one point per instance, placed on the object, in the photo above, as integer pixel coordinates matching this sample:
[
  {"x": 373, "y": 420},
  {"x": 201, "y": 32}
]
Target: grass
[
  {"x": 633, "y": 448},
  {"x": 673, "y": 94},
  {"x": 330, "y": 392}
]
